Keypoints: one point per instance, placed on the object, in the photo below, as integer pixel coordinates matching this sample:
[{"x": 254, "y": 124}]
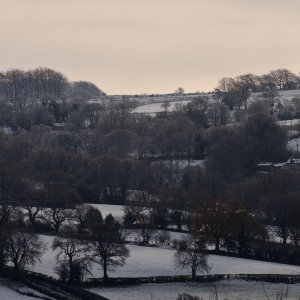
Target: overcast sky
[{"x": 150, "y": 46}]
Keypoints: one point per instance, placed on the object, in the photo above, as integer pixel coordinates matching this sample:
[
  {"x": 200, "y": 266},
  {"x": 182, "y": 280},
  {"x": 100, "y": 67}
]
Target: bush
[{"x": 162, "y": 238}]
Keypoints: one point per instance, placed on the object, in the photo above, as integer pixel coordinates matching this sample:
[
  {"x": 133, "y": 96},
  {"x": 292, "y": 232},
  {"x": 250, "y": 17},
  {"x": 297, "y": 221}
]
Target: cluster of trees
[
  {"x": 21, "y": 86},
  {"x": 289, "y": 109},
  {"x": 39, "y": 96},
  {"x": 235, "y": 91},
  {"x": 234, "y": 218},
  {"x": 87, "y": 239},
  {"x": 122, "y": 152},
  {"x": 93, "y": 240},
  {"x": 228, "y": 225},
  {"x": 235, "y": 152}
]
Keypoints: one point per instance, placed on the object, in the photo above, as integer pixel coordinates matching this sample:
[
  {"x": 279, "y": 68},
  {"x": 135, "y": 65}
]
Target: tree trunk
[
  {"x": 3, "y": 246},
  {"x": 193, "y": 274},
  {"x": 1, "y": 260},
  {"x": 31, "y": 219},
  {"x": 217, "y": 245},
  {"x": 105, "y": 276},
  {"x": 56, "y": 227},
  {"x": 144, "y": 241},
  {"x": 71, "y": 275}
]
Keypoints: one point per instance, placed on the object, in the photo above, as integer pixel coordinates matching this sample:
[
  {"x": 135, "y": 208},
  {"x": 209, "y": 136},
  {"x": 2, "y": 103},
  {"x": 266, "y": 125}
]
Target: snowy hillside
[
  {"x": 283, "y": 95},
  {"x": 156, "y": 107},
  {"x": 9, "y": 291},
  {"x": 142, "y": 263}
]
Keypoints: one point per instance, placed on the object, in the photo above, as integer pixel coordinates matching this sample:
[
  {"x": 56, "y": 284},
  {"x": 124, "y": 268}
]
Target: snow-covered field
[
  {"x": 289, "y": 123},
  {"x": 152, "y": 108},
  {"x": 116, "y": 210},
  {"x": 283, "y": 95},
  {"x": 156, "y": 107},
  {"x": 150, "y": 261},
  {"x": 135, "y": 236},
  {"x": 233, "y": 290},
  {"x": 288, "y": 95},
  {"x": 293, "y": 145},
  {"x": 183, "y": 163},
  {"x": 192, "y": 163},
  {"x": 8, "y": 291}
]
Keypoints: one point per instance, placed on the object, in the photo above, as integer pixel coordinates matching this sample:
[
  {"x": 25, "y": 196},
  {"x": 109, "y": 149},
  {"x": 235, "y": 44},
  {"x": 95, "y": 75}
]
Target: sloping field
[{"x": 151, "y": 261}]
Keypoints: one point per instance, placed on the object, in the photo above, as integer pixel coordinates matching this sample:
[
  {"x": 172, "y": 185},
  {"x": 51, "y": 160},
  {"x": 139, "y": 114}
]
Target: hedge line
[{"x": 275, "y": 278}]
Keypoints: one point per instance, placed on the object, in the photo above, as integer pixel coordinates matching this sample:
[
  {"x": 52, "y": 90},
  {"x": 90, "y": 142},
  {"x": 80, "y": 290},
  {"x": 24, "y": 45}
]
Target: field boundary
[{"x": 114, "y": 281}]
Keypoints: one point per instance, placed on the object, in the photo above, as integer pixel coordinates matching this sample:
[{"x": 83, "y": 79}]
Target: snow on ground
[
  {"x": 106, "y": 209},
  {"x": 233, "y": 290},
  {"x": 289, "y": 123},
  {"x": 156, "y": 107},
  {"x": 183, "y": 163},
  {"x": 151, "y": 261},
  {"x": 289, "y": 93},
  {"x": 192, "y": 163},
  {"x": 8, "y": 291},
  {"x": 293, "y": 145},
  {"x": 287, "y": 96},
  {"x": 135, "y": 236}
]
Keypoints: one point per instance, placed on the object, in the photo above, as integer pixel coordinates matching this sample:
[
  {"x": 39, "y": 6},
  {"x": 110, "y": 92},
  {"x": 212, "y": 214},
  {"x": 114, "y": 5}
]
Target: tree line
[{"x": 235, "y": 91}]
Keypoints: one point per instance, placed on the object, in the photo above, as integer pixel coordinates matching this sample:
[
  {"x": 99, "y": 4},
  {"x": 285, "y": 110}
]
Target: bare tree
[
  {"x": 71, "y": 251},
  {"x": 139, "y": 213},
  {"x": 3, "y": 248},
  {"x": 236, "y": 91},
  {"x": 87, "y": 216},
  {"x": 18, "y": 86},
  {"x": 107, "y": 247},
  {"x": 217, "y": 113},
  {"x": 24, "y": 249},
  {"x": 284, "y": 79},
  {"x": 179, "y": 90},
  {"x": 85, "y": 90},
  {"x": 57, "y": 216},
  {"x": 61, "y": 195},
  {"x": 165, "y": 105},
  {"x": 190, "y": 255},
  {"x": 282, "y": 208},
  {"x": 34, "y": 214},
  {"x": 10, "y": 188},
  {"x": 92, "y": 113}
]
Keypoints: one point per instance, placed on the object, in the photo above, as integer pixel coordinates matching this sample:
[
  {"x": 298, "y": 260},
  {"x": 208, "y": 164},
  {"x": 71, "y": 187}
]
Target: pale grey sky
[{"x": 150, "y": 46}]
